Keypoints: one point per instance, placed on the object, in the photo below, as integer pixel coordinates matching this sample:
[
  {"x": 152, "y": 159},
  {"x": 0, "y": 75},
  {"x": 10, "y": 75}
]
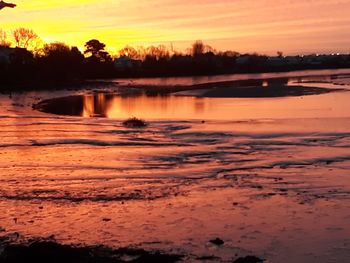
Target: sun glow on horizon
[{"x": 244, "y": 26}]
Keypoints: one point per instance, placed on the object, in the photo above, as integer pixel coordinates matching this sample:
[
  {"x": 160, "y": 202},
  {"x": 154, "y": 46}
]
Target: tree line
[{"x": 29, "y": 60}]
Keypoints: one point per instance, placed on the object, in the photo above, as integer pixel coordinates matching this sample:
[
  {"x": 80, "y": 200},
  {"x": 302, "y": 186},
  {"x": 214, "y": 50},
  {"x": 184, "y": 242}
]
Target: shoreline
[{"x": 32, "y": 85}]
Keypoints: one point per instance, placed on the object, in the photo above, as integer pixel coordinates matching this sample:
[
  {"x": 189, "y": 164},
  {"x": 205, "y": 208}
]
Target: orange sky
[{"x": 264, "y": 26}]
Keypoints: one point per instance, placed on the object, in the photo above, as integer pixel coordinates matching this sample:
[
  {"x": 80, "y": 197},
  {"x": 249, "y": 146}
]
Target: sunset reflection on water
[
  {"x": 187, "y": 107},
  {"x": 241, "y": 169},
  {"x": 150, "y": 107}
]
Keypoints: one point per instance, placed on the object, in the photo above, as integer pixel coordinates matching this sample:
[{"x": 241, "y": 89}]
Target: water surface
[{"x": 269, "y": 176}]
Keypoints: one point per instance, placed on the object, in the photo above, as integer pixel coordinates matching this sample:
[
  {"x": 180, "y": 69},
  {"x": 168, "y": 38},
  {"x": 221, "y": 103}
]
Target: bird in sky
[{"x": 4, "y": 4}]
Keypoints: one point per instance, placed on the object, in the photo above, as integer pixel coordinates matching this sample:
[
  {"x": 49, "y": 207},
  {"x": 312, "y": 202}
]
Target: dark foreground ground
[{"x": 48, "y": 251}]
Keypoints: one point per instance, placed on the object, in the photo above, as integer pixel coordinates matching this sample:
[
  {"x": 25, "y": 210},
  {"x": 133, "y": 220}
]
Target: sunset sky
[{"x": 264, "y": 26}]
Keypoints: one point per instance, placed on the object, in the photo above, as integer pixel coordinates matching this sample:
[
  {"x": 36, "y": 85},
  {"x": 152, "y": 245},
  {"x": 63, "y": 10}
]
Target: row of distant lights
[
  {"x": 317, "y": 55},
  {"x": 333, "y": 54}
]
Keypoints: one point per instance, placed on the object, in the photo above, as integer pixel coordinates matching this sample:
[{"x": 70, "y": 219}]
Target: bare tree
[
  {"x": 141, "y": 51},
  {"x": 3, "y": 39},
  {"x": 130, "y": 52},
  {"x": 24, "y": 37},
  {"x": 157, "y": 52},
  {"x": 209, "y": 49},
  {"x": 36, "y": 46}
]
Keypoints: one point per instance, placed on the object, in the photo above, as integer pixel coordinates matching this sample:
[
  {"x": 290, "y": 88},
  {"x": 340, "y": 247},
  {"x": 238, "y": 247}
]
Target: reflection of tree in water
[
  {"x": 97, "y": 105},
  {"x": 144, "y": 102},
  {"x": 117, "y": 106},
  {"x": 87, "y": 106},
  {"x": 277, "y": 82},
  {"x": 199, "y": 106},
  {"x": 71, "y": 105}
]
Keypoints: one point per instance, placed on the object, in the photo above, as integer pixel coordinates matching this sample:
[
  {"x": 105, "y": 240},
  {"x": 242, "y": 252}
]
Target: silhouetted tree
[
  {"x": 160, "y": 52},
  {"x": 24, "y": 37},
  {"x": 142, "y": 52},
  {"x": 228, "y": 53},
  {"x": 60, "y": 61},
  {"x": 99, "y": 63},
  {"x": 56, "y": 49},
  {"x": 209, "y": 49},
  {"x": 197, "y": 48},
  {"x": 60, "y": 51},
  {"x": 130, "y": 52},
  {"x": 96, "y": 49}
]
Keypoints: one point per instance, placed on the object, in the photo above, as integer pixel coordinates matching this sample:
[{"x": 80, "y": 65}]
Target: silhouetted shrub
[{"x": 134, "y": 123}]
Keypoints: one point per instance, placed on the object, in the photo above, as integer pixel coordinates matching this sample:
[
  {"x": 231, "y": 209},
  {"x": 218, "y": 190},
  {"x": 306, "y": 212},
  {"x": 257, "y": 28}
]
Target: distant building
[
  {"x": 20, "y": 55},
  {"x": 6, "y": 53}
]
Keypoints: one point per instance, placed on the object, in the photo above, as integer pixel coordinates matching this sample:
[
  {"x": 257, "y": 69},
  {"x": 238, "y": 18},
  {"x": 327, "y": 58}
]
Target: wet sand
[
  {"x": 222, "y": 184},
  {"x": 256, "y": 92}
]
